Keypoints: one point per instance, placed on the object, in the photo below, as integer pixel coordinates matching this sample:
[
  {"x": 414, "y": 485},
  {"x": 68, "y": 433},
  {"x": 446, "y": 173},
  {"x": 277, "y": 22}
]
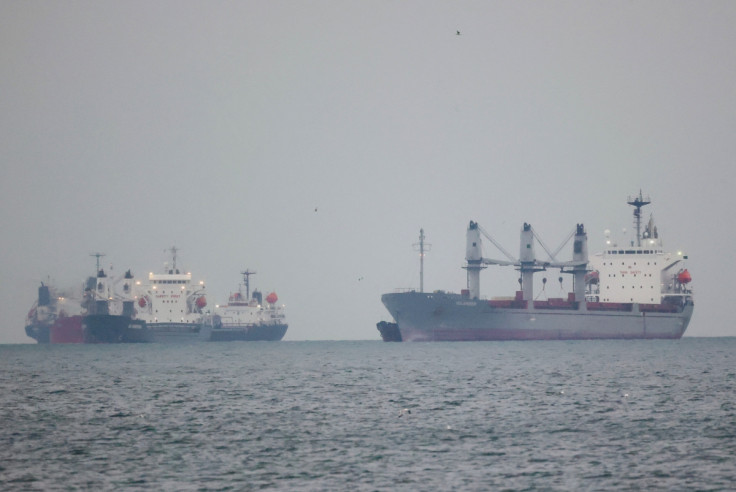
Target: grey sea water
[{"x": 597, "y": 415}]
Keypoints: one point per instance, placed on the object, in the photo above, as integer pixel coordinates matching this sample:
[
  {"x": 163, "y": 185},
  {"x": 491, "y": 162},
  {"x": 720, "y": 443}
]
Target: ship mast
[
  {"x": 98, "y": 256},
  {"x": 638, "y": 202},
  {"x": 173, "y": 250},
  {"x": 246, "y": 279},
  {"x": 422, "y": 248}
]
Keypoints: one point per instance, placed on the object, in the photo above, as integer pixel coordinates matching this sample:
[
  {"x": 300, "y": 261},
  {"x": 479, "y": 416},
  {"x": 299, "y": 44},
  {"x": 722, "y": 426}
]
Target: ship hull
[
  {"x": 389, "y": 331},
  {"x": 108, "y": 328},
  {"x": 67, "y": 330},
  {"x": 179, "y": 332},
  {"x": 40, "y": 332},
  {"x": 451, "y": 317},
  {"x": 249, "y": 333}
]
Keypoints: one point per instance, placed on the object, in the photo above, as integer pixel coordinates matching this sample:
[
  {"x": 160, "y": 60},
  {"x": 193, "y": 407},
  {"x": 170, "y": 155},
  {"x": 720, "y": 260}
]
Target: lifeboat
[
  {"x": 684, "y": 277},
  {"x": 272, "y": 298},
  {"x": 201, "y": 302},
  {"x": 592, "y": 277}
]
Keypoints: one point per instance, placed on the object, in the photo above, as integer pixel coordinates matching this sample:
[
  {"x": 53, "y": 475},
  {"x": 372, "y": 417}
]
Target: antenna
[
  {"x": 422, "y": 248},
  {"x": 173, "y": 250},
  {"x": 246, "y": 279},
  {"x": 98, "y": 256},
  {"x": 637, "y": 202}
]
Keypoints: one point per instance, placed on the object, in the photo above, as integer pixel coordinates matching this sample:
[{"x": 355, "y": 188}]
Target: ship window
[{"x": 620, "y": 251}]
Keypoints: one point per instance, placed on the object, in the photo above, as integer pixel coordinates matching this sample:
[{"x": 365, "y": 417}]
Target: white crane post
[
  {"x": 527, "y": 260},
  {"x": 580, "y": 254},
  {"x": 474, "y": 257}
]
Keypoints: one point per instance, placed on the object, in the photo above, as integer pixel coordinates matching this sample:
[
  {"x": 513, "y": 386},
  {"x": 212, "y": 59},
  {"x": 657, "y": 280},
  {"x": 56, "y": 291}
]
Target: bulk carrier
[{"x": 634, "y": 292}]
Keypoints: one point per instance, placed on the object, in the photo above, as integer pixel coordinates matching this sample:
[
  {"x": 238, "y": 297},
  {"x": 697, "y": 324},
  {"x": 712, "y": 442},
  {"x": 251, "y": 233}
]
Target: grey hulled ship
[{"x": 638, "y": 291}]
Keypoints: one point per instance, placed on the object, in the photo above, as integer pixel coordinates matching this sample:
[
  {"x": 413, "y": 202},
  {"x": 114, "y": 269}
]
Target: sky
[{"x": 310, "y": 141}]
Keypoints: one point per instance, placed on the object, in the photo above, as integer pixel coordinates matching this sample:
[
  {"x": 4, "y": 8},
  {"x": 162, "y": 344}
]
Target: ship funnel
[{"x": 44, "y": 295}]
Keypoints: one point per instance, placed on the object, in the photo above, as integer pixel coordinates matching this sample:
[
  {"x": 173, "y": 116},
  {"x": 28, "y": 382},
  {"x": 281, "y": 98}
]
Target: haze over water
[
  {"x": 649, "y": 415},
  {"x": 310, "y": 141}
]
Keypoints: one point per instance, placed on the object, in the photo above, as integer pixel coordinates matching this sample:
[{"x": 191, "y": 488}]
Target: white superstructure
[
  {"x": 170, "y": 297},
  {"x": 642, "y": 272},
  {"x": 637, "y": 275},
  {"x": 241, "y": 312}
]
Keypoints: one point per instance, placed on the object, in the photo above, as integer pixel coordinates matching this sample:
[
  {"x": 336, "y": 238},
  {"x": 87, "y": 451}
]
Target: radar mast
[
  {"x": 422, "y": 248},
  {"x": 246, "y": 280},
  {"x": 638, "y": 202},
  {"x": 98, "y": 256}
]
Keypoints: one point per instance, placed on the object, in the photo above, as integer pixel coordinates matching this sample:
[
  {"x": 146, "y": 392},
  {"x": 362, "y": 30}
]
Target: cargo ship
[
  {"x": 638, "y": 291},
  {"x": 171, "y": 305},
  {"x": 246, "y": 318},
  {"x": 110, "y": 315}
]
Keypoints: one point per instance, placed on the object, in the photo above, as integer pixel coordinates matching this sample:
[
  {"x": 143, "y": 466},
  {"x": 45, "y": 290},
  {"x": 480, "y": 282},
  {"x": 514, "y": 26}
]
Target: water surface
[{"x": 654, "y": 415}]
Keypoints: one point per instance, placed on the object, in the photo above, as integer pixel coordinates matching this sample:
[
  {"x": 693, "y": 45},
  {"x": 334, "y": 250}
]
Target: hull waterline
[{"x": 450, "y": 317}]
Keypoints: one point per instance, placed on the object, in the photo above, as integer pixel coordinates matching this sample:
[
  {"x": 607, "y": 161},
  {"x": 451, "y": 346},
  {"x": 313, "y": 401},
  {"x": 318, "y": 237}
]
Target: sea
[{"x": 367, "y": 415}]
